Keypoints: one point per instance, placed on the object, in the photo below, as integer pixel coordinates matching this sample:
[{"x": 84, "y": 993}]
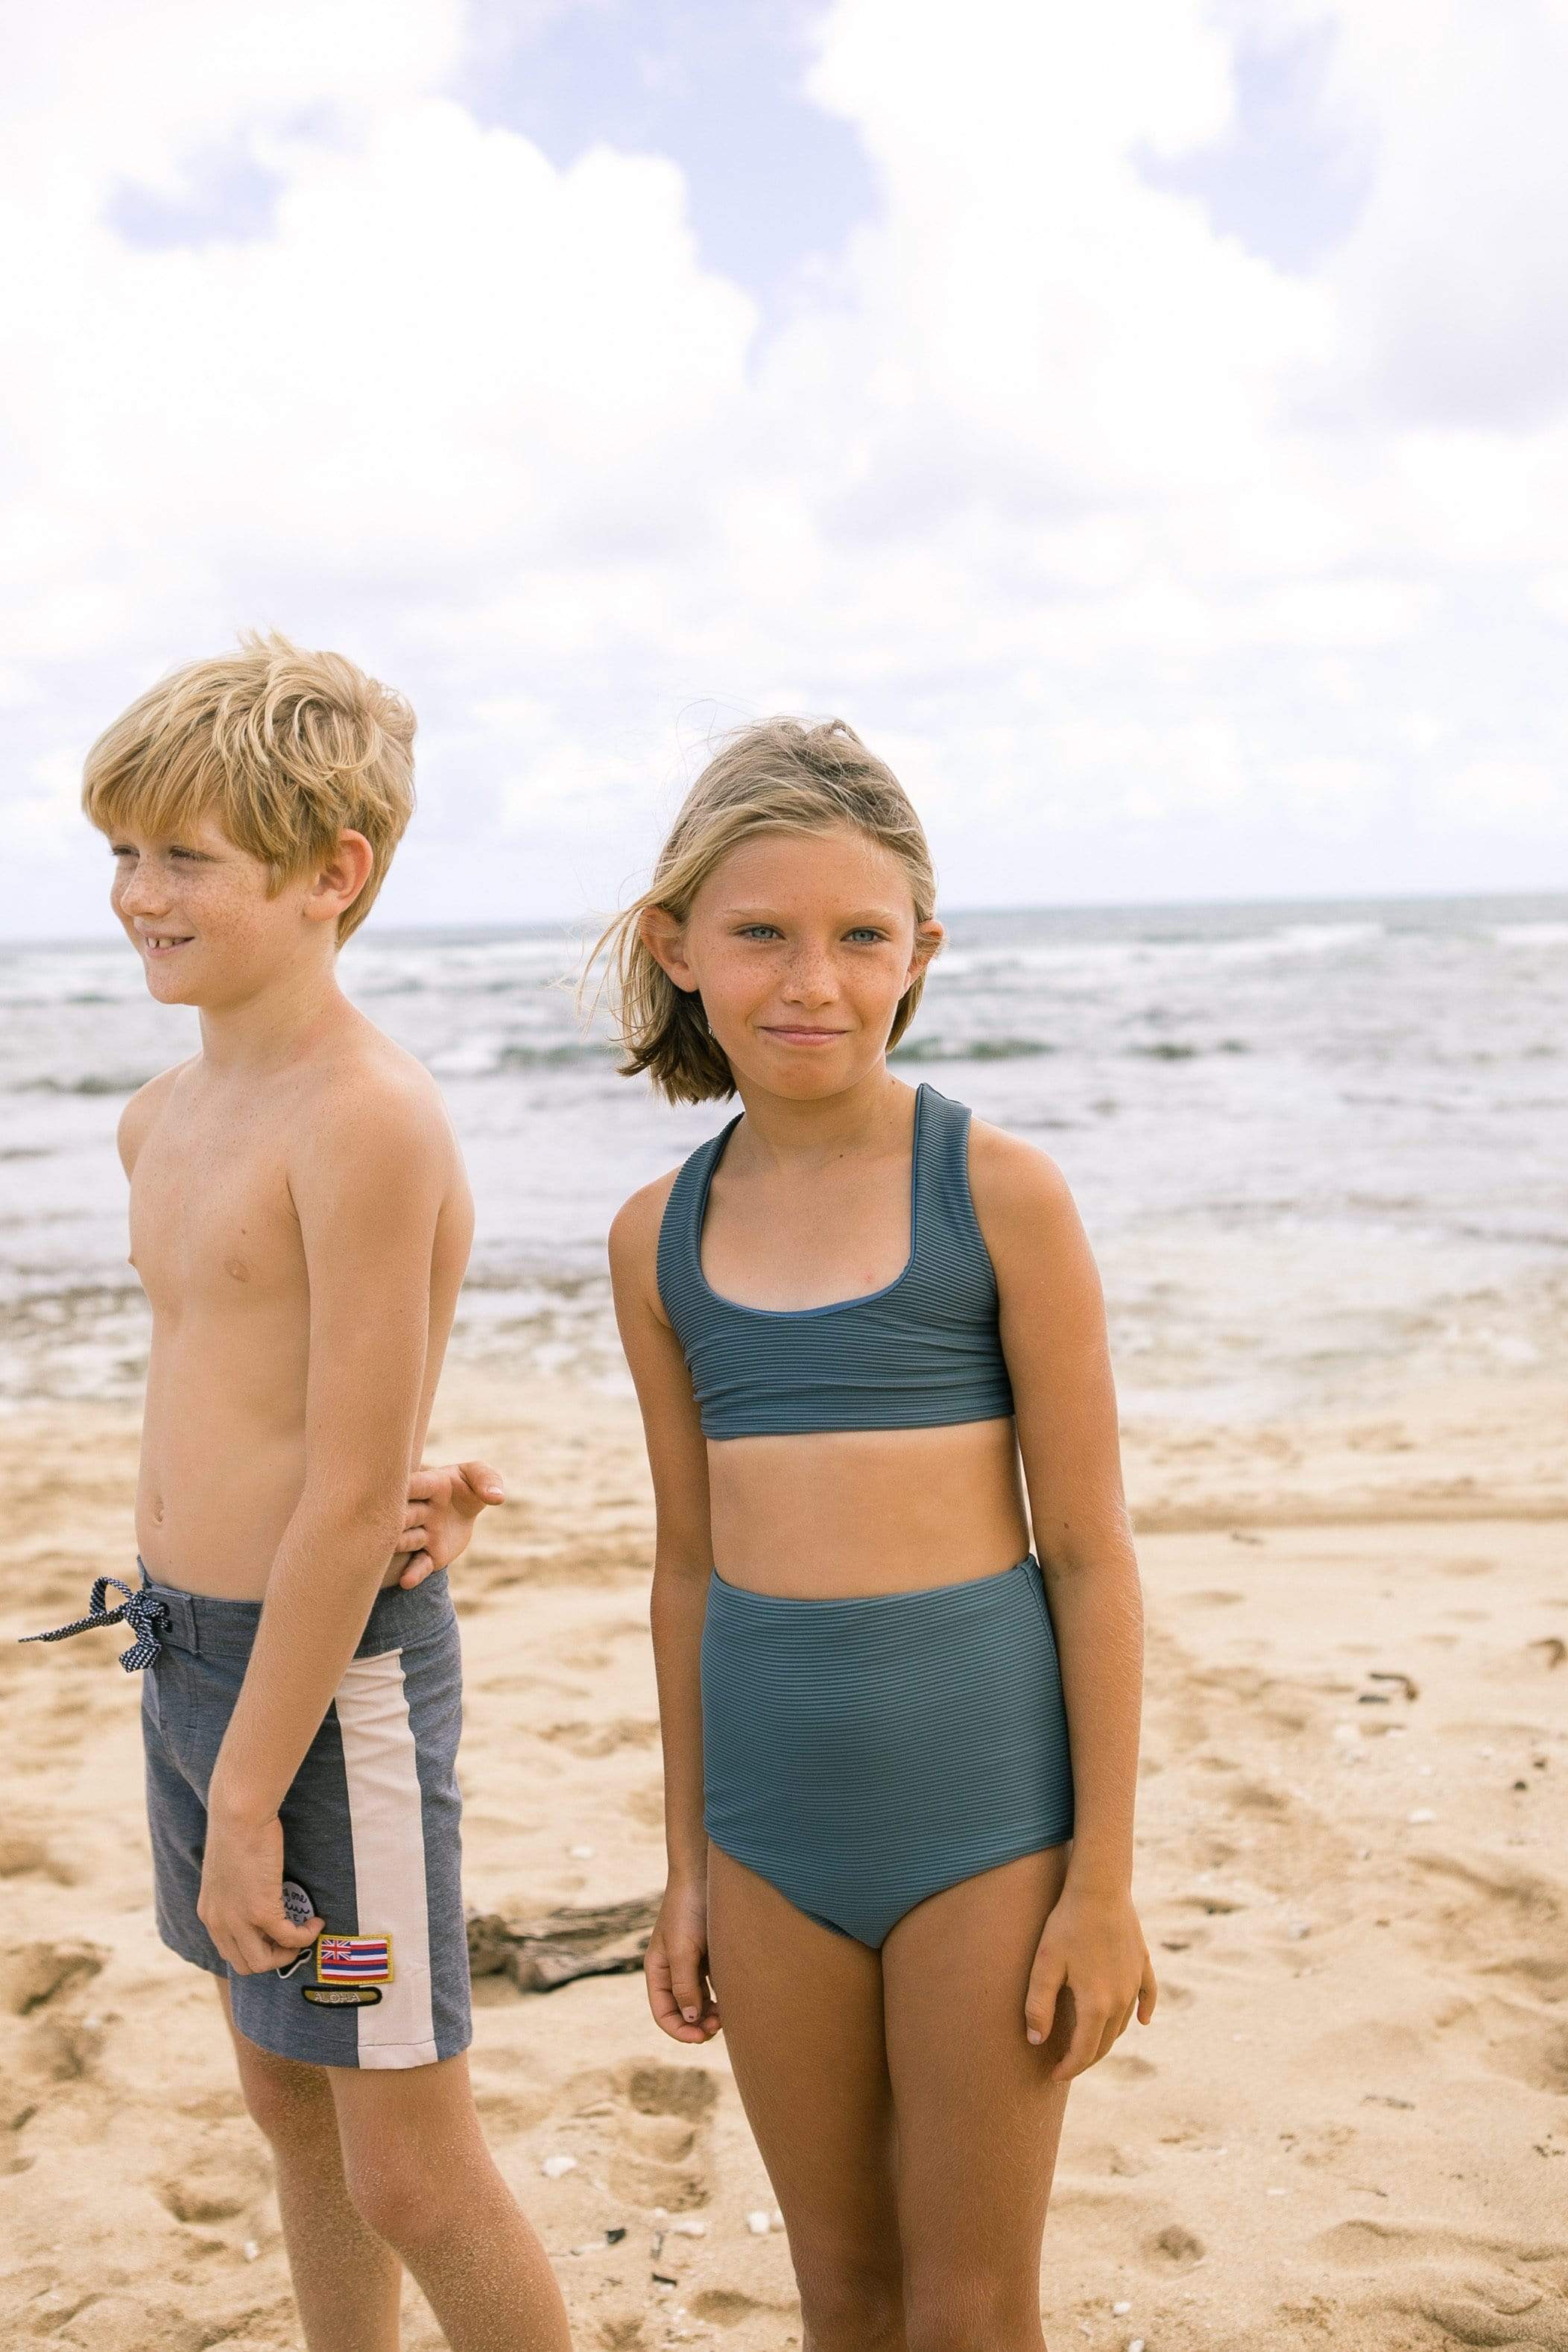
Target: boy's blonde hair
[
  {"x": 286, "y": 749},
  {"x": 779, "y": 776}
]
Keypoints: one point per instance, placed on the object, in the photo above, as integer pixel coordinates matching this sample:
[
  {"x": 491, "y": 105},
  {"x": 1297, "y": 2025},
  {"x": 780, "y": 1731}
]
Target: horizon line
[{"x": 396, "y": 931}]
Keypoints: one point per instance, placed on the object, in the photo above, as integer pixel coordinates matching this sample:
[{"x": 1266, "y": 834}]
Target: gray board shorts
[{"x": 372, "y": 1829}]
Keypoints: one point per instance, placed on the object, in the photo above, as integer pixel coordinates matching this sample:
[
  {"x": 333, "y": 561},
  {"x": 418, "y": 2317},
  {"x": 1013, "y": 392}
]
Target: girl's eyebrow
[{"x": 773, "y": 914}]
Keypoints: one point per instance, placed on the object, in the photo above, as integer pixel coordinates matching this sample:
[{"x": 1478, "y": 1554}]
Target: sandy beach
[{"x": 1347, "y": 2127}]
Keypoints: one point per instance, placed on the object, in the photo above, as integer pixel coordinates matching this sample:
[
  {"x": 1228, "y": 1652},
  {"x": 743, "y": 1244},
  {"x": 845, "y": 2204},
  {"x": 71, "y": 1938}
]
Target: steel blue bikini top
[{"x": 921, "y": 1352}]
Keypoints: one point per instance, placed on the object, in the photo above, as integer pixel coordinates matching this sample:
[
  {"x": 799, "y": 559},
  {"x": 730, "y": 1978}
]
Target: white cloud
[
  {"x": 1462, "y": 225},
  {"x": 1093, "y": 517},
  {"x": 1500, "y": 790}
]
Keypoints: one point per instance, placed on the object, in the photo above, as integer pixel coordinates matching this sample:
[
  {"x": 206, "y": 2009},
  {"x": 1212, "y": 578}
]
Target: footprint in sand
[
  {"x": 218, "y": 2185},
  {"x": 1175, "y": 2243},
  {"x": 1511, "y": 1926},
  {"x": 646, "y": 1805},
  {"x": 656, "y": 2122},
  {"x": 729, "y": 2306},
  {"x": 29, "y": 1857},
  {"x": 1124, "y": 2067},
  {"x": 34, "y": 1975},
  {"x": 1464, "y": 2284},
  {"x": 597, "y": 1739}
]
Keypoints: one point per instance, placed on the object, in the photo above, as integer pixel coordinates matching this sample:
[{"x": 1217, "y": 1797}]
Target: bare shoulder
[
  {"x": 1014, "y": 1183},
  {"x": 143, "y": 1110},
  {"x": 369, "y": 1105},
  {"x": 635, "y": 1230},
  {"x": 1030, "y": 1223}
]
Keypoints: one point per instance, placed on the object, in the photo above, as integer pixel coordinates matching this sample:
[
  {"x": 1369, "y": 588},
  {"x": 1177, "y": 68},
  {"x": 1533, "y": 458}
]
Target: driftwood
[{"x": 540, "y": 1954}]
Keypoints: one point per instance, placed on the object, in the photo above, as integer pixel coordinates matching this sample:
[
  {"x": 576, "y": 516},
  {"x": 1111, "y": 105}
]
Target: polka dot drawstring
[{"x": 139, "y": 1613}]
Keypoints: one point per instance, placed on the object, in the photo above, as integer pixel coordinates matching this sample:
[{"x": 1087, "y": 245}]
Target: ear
[
  {"x": 929, "y": 938},
  {"x": 664, "y": 936},
  {"x": 341, "y": 879}
]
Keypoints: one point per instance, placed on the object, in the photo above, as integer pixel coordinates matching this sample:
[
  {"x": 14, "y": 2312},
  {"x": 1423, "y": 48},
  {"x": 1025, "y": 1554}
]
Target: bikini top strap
[
  {"x": 680, "y": 1262},
  {"x": 945, "y": 1221}
]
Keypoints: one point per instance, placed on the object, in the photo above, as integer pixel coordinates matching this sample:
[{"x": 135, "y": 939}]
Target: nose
[
  {"x": 140, "y": 890},
  {"x": 811, "y": 978}
]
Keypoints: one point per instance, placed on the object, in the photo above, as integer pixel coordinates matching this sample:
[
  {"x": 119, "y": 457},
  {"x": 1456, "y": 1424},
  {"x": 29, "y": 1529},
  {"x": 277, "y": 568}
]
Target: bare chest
[
  {"x": 212, "y": 1225},
  {"x": 809, "y": 1243}
]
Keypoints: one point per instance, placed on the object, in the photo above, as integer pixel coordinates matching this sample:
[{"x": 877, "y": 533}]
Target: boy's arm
[{"x": 368, "y": 1189}]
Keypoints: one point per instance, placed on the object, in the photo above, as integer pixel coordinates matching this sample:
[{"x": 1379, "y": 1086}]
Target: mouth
[
  {"x": 156, "y": 945},
  {"x": 802, "y": 1035}
]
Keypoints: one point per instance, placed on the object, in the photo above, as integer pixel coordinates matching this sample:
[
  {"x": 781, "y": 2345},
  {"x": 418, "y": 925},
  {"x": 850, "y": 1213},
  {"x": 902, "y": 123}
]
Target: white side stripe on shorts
[{"x": 387, "y": 1822}]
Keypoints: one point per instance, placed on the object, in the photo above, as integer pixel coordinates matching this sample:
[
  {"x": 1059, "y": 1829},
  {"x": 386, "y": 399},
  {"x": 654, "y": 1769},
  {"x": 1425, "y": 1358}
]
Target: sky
[{"x": 1146, "y": 424}]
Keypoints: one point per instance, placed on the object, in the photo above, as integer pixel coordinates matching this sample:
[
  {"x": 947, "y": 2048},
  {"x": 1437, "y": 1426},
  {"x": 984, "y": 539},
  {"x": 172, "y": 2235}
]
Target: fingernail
[
  {"x": 690, "y": 2015},
  {"x": 1035, "y": 2037}
]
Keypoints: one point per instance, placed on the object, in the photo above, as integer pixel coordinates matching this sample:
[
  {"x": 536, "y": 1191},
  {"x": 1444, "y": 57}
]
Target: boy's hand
[
  {"x": 439, "y": 1516},
  {"x": 241, "y": 1901}
]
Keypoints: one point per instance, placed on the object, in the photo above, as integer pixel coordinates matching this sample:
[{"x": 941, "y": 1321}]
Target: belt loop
[{"x": 182, "y": 1624}]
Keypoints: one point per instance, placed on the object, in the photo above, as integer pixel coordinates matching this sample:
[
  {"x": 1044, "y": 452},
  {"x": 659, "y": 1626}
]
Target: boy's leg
[
  {"x": 420, "y": 2175},
  {"x": 347, "y": 2281}
]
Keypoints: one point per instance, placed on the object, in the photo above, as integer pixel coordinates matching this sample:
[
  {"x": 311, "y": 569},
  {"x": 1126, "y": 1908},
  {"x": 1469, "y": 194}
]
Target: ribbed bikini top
[{"x": 920, "y": 1353}]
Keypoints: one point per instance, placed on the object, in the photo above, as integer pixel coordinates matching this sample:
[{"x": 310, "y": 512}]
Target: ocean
[{"x": 1321, "y": 1148}]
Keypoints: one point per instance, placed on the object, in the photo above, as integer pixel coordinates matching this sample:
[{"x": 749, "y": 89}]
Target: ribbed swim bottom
[{"x": 862, "y": 1755}]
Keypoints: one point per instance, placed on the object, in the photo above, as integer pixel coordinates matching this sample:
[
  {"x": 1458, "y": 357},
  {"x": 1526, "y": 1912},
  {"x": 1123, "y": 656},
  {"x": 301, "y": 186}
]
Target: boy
[{"x": 300, "y": 1222}]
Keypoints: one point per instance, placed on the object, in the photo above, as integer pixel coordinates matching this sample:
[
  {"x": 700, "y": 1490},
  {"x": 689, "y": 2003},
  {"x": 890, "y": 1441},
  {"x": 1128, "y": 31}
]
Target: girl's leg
[
  {"x": 802, "y": 2020},
  {"x": 977, "y": 2121},
  {"x": 347, "y": 2281}
]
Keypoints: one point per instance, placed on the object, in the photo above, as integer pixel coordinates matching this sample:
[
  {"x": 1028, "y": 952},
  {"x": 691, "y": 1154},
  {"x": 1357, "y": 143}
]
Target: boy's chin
[{"x": 174, "y": 981}]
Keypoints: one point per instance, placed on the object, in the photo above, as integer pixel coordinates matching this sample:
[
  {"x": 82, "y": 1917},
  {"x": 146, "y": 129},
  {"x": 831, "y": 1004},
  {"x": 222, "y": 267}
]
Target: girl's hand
[
  {"x": 675, "y": 1968},
  {"x": 439, "y": 1515},
  {"x": 1092, "y": 1948}
]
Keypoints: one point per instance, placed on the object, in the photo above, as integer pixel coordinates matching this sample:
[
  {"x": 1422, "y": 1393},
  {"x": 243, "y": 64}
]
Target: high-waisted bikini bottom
[{"x": 862, "y": 1755}]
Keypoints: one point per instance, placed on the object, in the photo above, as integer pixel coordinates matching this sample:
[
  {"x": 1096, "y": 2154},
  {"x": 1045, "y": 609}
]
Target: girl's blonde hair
[
  {"x": 779, "y": 776},
  {"x": 286, "y": 749}
]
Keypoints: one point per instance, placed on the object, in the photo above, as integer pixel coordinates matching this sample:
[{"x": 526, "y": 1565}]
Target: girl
[{"x": 869, "y": 1348}]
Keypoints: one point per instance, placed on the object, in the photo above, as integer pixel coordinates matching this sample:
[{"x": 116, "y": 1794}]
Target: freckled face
[
  {"x": 801, "y": 946},
  {"x": 197, "y": 913}
]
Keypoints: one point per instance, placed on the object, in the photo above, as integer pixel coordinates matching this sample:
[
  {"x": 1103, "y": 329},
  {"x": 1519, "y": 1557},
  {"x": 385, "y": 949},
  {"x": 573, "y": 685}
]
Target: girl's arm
[
  {"x": 1054, "y": 1338},
  {"x": 677, "y": 1964}
]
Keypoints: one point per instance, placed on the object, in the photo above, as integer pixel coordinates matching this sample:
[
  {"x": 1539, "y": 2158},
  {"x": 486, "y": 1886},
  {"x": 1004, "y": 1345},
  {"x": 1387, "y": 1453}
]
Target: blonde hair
[
  {"x": 779, "y": 776},
  {"x": 286, "y": 749}
]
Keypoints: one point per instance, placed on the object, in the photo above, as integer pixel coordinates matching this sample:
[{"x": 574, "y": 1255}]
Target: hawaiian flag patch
[{"x": 353, "y": 1960}]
